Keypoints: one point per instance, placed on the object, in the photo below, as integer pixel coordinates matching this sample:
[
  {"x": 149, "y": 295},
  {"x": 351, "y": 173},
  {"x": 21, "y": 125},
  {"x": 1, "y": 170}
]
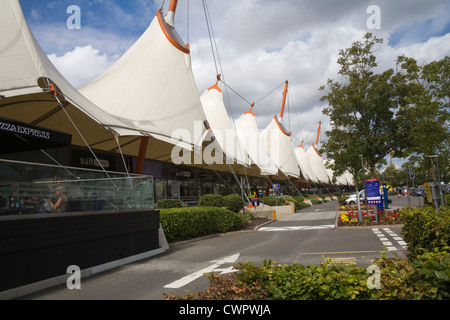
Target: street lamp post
[
  {"x": 407, "y": 189},
  {"x": 439, "y": 176},
  {"x": 364, "y": 181}
]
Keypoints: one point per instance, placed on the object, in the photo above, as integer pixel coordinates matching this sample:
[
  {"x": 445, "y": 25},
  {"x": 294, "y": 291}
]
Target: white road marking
[
  {"x": 325, "y": 226},
  {"x": 214, "y": 267},
  {"x": 388, "y": 243}
]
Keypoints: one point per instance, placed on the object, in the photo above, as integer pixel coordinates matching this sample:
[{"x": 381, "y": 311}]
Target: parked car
[
  {"x": 446, "y": 188},
  {"x": 418, "y": 192},
  {"x": 351, "y": 200}
]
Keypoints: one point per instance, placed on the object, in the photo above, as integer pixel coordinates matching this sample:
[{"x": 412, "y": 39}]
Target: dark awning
[{"x": 16, "y": 136}]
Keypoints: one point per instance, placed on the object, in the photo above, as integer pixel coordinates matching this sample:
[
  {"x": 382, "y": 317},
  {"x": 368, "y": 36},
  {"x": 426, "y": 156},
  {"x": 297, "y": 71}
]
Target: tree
[
  {"x": 424, "y": 113},
  {"x": 399, "y": 111}
]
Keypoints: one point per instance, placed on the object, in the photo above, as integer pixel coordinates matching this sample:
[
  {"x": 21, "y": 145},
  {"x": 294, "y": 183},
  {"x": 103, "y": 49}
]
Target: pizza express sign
[
  {"x": 17, "y": 136},
  {"x": 24, "y": 130}
]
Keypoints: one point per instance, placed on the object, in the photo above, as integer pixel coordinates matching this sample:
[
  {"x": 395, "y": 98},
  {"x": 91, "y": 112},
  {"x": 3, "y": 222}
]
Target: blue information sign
[
  {"x": 276, "y": 186},
  {"x": 373, "y": 193}
]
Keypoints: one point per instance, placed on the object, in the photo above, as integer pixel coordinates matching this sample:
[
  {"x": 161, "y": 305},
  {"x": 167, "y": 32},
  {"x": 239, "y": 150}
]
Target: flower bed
[
  {"x": 350, "y": 218},
  {"x": 354, "y": 207}
]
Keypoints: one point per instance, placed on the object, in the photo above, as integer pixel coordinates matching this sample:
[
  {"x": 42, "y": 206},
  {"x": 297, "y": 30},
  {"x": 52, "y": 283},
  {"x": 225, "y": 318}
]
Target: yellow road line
[{"x": 338, "y": 252}]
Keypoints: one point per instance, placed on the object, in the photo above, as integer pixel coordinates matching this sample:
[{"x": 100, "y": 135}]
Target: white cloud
[
  {"x": 35, "y": 15},
  {"x": 82, "y": 64},
  {"x": 262, "y": 43},
  {"x": 433, "y": 49}
]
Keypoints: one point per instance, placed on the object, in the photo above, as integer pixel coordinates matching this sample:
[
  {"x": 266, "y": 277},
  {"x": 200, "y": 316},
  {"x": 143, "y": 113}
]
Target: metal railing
[{"x": 30, "y": 188}]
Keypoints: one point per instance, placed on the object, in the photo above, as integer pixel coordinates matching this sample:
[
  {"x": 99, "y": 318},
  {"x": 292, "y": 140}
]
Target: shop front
[{"x": 59, "y": 207}]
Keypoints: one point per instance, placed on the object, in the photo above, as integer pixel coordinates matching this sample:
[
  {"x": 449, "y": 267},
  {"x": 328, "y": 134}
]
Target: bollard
[
  {"x": 293, "y": 208},
  {"x": 274, "y": 216}
]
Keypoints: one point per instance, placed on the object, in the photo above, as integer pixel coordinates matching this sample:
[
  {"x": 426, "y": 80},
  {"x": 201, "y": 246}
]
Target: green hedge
[
  {"x": 298, "y": 202},
  {"x": 233, "y": 202},
  {"x": 273, "y": 201},
  {"x": 211, "y": 200},
  {"x": 190, "y": 222},
  {"x": 169, "y": 203},
  {"x": 426, "y": 229},
  {"x": 425, "y": 278}
]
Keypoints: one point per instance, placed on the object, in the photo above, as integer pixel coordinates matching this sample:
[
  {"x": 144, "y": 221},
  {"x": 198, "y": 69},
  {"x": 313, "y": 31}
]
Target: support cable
[
  {"x": 116, "y": 137},
  {"x": 55, "y": 93},
  {"x": 135, "y": 27},
  {"x": 218, "y": 65}
]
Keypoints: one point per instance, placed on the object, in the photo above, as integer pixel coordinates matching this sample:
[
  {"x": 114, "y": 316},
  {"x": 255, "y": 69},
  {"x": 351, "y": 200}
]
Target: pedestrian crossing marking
[{"x": 388, "y": 243}]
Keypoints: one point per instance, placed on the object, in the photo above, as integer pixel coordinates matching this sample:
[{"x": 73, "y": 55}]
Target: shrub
[
  {"x": 190, "y": 222},
  {"x": 211, "y": 200},
  {"x": 273, "y": 201},
  {"x": 434, "y": 270},
  {"x": 426, "y": 229},
  {"x": 342, "y": 199},
  {"x": 233, "y": 202},
  {"x": 169, "y": 203},
  {"x": 298, "y": 202},
  {"x": 425, "y": 278},
  {"x": 316, "y": 200}
]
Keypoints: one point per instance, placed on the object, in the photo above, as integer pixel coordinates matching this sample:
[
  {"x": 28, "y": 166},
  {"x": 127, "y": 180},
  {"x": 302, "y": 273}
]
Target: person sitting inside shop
[{"x": 60, "y": 204}]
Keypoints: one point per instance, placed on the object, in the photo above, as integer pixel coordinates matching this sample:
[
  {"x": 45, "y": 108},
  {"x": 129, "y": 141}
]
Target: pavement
[{"x": 304, "y": 237}]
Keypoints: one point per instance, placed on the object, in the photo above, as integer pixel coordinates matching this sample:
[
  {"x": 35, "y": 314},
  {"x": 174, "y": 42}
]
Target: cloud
[
  {"x": 433, "y": 49},
  {"x": 35, "y": 15},
  {"x": 264, "y": 43},
  {"x": 261, "y": 44},
  {"x": 82, "y": 64}
]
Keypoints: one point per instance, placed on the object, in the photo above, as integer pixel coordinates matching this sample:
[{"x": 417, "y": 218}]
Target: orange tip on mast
[
  {"x": 170, "y": 17},
  {"x": 284, "y": 99},
  {"x": 318, "y": 133}
]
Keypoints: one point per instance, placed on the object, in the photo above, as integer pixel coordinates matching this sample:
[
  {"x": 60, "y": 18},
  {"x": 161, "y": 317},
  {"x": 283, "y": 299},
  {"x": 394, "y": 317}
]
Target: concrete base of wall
[
  {"x": 264, "y": 211},
  {"x": 36, "y": 250},
  {"x": 55, "y": 281}
]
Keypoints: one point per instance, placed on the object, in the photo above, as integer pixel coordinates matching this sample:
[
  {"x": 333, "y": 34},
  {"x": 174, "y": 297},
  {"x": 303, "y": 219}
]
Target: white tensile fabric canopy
[
  {"x": 279, "y": 146},
  {"x": 152, "y": 87},
  {"x": 221, "y": 126},
  {"x": 249, "y": 136},
  {"x": 330, "y": 172},
  {"x": 25, "y": 71},
  {"x": 344, "y": 179},
  {"x": 149, "y": 91},
  {"x": 316, "y": 162},
  {"x": 303, "y": 162}
]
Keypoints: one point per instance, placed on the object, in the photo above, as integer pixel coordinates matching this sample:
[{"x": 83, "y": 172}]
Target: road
[{"x": 306, "y": 237}]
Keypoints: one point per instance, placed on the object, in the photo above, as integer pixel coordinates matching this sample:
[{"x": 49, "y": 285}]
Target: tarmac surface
[{"x": 306, "y": 237}]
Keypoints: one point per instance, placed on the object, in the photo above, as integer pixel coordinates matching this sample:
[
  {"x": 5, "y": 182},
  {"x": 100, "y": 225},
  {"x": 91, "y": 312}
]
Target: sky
[{"x": 260, "y": 45}]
